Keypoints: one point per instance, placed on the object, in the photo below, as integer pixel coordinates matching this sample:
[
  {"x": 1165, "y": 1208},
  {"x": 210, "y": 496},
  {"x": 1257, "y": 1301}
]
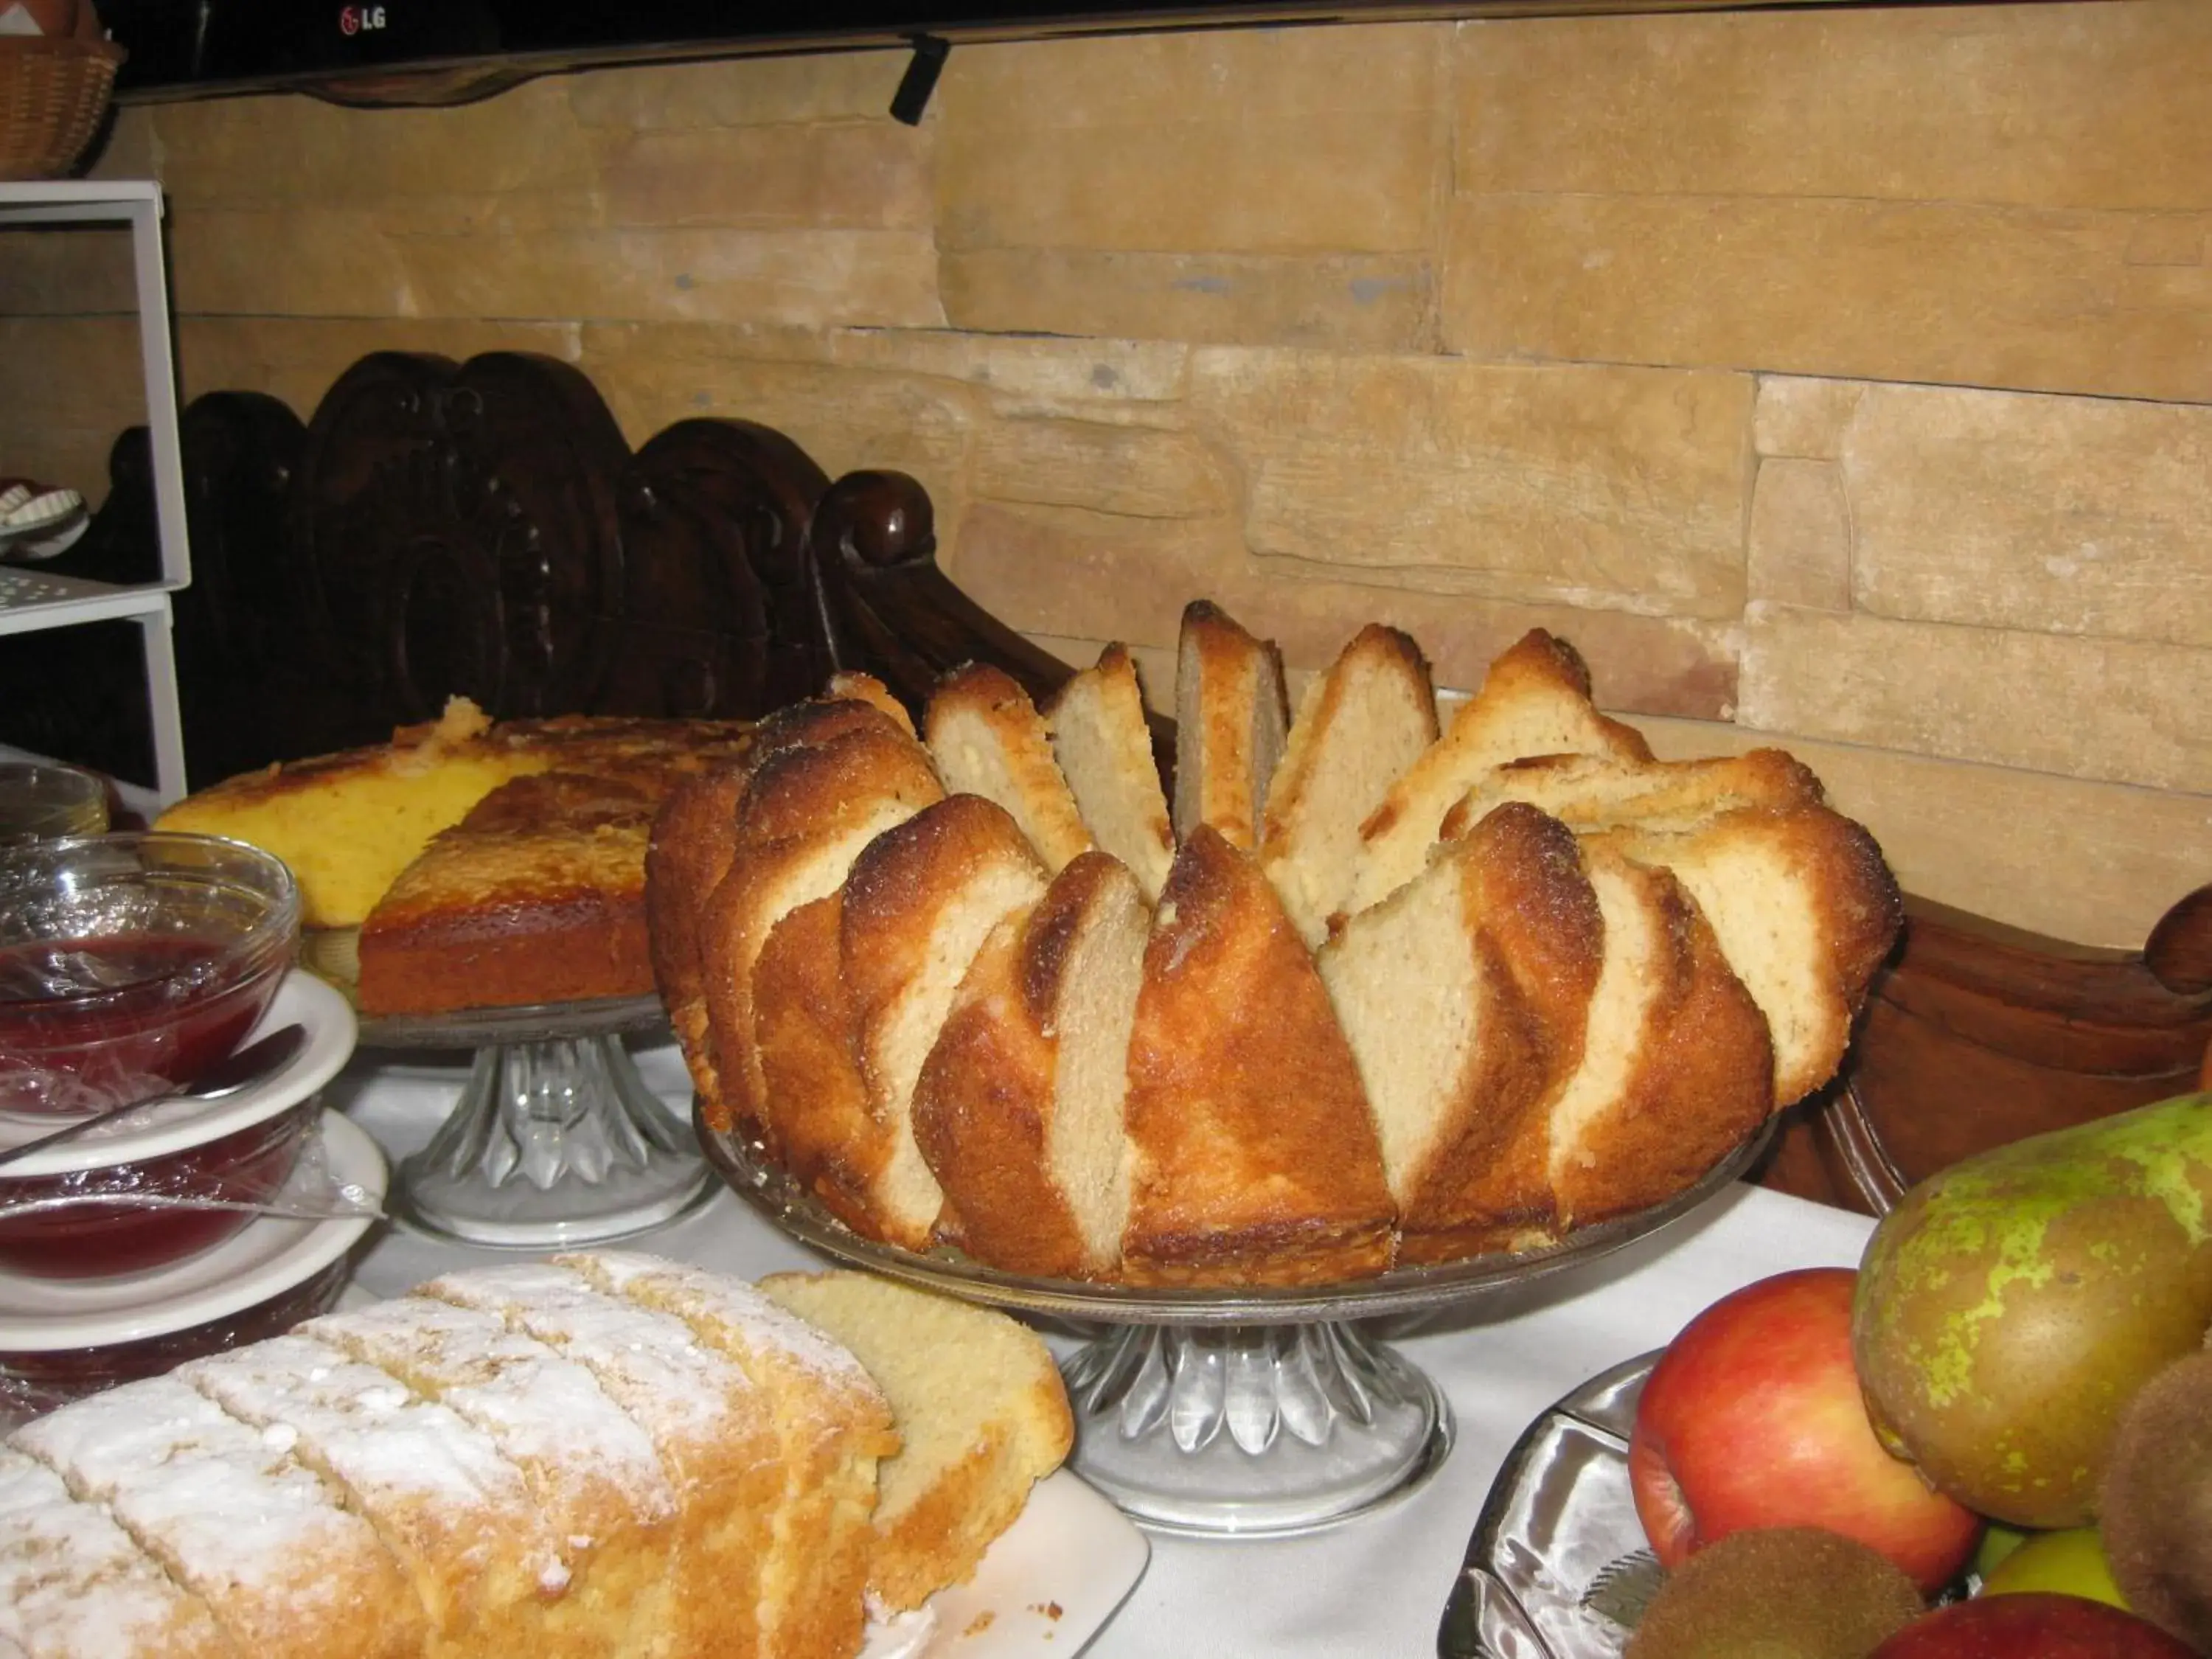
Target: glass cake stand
[
  {"x": 554, "y": 1139},
  {"x": 1229, "y": 1411}
]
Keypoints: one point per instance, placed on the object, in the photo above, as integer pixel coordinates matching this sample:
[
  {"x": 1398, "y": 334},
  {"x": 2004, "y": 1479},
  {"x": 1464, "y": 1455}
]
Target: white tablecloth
[{"x": 1370, "y": 1587}]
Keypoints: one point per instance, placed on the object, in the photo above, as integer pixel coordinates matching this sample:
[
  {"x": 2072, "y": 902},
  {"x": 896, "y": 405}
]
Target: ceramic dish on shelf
[
  {"x": 1046, "y": 1586},
  {"x": 175, "y": 1176},
  {"x": 61, "y": 1340},
  {"x": 1233, "y": 1411}
]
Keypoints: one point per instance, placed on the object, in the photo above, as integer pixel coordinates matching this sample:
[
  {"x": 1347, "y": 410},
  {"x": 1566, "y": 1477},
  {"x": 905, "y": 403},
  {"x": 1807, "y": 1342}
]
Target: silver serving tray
[{"x": 1558, "y": 1567}]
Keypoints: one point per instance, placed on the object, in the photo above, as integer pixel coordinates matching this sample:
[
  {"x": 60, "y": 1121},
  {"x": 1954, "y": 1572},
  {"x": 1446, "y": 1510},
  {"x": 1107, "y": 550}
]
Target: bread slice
[
  {"x": 1599, "y": 791},
  {"x": 587, "y": 1463},
  {"x": 1360, "y": 723},
  {"x": 816, "y": 1109},
  {"x": 454, "y": 1512},
  {"x": 1255, "y": 1158},
  {"x": 74, "y": 1585},
  {"x": 981, "y": 1413},
  {"x": 260, "y": 1539},
  {"x": 832, "y": 1427},
  {"x": 1464, "y": 996},
  {"x": 987, "y": 740},
  {"x": 1230, "y": 721},
  {"x": 1019, "y": 1111},
  {"x": 1535, "y": 700},
  {"x": 711, "y": 1428},
  {"x": 850, "y": 684},
  {"x": 1676, "y": 1069},
  {"x": 919, "y": 904},
  {"x": 1805, "y": 910},
  {"x": 1104, "y": 748},
  {"x": 805, "y": 814}
]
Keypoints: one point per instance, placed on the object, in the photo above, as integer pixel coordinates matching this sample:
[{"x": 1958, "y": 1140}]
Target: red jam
[
  {"x": 88, "y": 1024},
  {"x": 98, "y": 1239}
]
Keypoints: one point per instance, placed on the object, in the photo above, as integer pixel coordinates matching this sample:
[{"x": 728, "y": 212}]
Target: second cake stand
[
  {"x": 554, "y": 1139},
  {"x": 1231, "y": 1412}
]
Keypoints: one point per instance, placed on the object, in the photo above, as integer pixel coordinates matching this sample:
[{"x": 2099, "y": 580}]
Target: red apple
[
  {"x": 2044, "y": 1624},
  {"x": 1753, "y": 1418}
]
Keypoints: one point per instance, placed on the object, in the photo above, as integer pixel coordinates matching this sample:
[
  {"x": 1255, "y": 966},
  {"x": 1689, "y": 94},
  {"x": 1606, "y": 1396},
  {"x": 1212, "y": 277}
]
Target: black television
[{"x": 437, "y": 51}]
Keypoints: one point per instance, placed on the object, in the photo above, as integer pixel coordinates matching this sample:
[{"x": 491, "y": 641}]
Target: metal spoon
[{"x": 263, "y": 1057}]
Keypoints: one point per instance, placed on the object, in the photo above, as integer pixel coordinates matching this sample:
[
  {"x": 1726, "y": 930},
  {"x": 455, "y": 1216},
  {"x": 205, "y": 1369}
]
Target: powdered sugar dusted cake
[{"x": 605, "y": 1457}]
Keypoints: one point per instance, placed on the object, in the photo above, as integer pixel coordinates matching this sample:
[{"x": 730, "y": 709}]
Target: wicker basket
[{"x": 52, "y": 95}]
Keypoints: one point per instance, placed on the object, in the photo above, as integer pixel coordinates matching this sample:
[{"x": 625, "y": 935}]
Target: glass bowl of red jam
[
  {"x": 131, "y": 962},
  {"x": 133, "y": 1214}
]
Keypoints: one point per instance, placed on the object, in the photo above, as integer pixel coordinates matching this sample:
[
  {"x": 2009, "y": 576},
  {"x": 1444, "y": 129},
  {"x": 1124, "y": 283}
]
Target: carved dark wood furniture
[{"x": 483, "y": 528}]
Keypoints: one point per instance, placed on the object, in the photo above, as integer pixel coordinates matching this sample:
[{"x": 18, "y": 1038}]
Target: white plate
[
  {"x": 169, "y": 1125},
  {"x": 261, "y": 1260},
  {"x": 1047, "y": 1585}
]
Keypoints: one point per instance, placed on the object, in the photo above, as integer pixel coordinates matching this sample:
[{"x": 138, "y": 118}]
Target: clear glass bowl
[
  {"x": 42, "y": 801},
  {"x": 131, "y": 963},
  {"x": 121, "y": 1226}
]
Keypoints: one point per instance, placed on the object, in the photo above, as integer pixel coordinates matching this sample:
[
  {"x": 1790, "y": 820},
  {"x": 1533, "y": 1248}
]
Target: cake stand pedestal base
[
  {"x": 554, "y": 1142},
  {"x": 1252, "y": 1430}
]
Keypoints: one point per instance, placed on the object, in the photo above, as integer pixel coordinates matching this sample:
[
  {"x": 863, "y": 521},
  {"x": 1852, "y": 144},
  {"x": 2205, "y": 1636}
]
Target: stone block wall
[{"x": 1835, "y": 378}]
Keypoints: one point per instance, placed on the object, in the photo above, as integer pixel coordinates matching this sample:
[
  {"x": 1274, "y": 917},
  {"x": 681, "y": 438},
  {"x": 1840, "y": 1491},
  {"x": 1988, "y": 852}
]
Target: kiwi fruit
[
  {"x": 1777, "y": 1593},
  {"x": 2154, "y": 1506}
]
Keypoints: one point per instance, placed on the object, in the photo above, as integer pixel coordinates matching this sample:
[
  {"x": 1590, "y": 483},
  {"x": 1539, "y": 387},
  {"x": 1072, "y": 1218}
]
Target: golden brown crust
[
  {"x": 536, "y": 895},
  {"x": 1702, "y": 1080},
  {"x": 695, "y": 836},
  {"x": 1232, "y": 720},
  {"x": 988, "y": 739},
  {"x": 982, "y": 1109},
  {"x": 1532, "y": 919},
  {"x": 806, "y": 810},
  {"x": 941, "y": 1538},
  {"x": 1535, "y": 699},
  {"x": 1747, "y": 866},
  {"x": 815, "y": 1102},
  {"x": 1596, "y": 792},
  {"x": 1255, "y": 1160}
]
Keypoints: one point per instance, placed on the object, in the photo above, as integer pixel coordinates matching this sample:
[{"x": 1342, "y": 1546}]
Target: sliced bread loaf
[
  {"x": 592, "y": 1470},
  {"x": 1230, "y": 721},
  {"x": 1105, "y": 751},
  {"x": 1464, "y": 995},
  {"x": 1535, "y": 700},
  {"x": 713, "y": 1429},
  {"x": 455, "y": 1514},
  {"x": 830, "y": 1429},
  {"x": 1360, "y": 723},
  {"x": 259, "y": 1539},
  {"x": 1804, "y": 908},
  {"x": 74, "y": 1585},
  {"x": 981, "y": 1413},
  {"x": 805, "y": 814},
  {"x": 1598, "y": 792},
  {"x": 1254, "y": 1157},
  {"x": 1019, "y": 1111},
  {"x": 920, "y": 901},
  {"x": 987, "y": 740},
  {"x": 1676, "y": 1066}
]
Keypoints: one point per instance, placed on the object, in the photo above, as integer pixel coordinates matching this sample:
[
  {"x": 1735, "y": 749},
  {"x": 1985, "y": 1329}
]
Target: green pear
[{"x": 2011, "y": 1305}]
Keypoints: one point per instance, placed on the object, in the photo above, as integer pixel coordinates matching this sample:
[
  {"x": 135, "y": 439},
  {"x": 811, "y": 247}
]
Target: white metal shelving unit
[{"x": 31, "y": 600}]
